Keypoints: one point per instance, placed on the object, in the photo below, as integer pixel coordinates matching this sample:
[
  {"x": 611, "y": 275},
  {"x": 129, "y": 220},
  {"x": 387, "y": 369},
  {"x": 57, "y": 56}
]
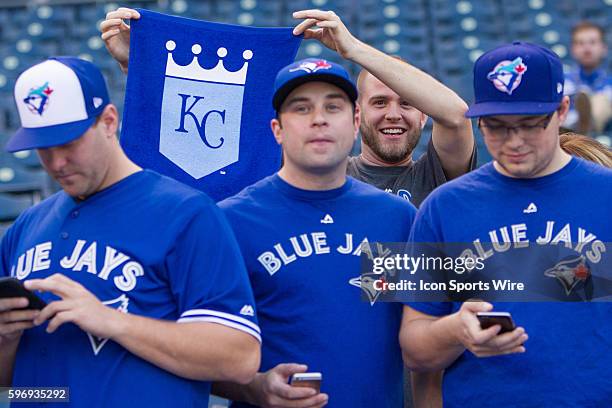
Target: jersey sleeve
[{"x": 208, "y": 277}]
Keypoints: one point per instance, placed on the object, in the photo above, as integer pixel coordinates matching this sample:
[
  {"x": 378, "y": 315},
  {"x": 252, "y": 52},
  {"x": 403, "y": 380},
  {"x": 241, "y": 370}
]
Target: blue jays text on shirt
[
  {"x": 515, "y": 235},
  {"x": 82, "y": 257},
  {"x": 305, "y": 245}
]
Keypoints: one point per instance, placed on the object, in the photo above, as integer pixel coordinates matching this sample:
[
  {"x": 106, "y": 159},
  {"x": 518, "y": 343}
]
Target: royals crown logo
[
  {"x": 201, "y": 112},
  {"x": 195, "y": 72}
]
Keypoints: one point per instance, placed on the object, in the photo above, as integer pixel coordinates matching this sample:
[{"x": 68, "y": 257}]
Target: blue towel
[{"x": 198, "y": 100}]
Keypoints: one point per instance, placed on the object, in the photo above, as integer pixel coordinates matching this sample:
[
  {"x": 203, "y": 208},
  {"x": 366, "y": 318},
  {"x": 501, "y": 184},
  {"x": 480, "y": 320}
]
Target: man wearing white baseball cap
[
  {"x": 56, "y": 113},
  {"x": 130, "y": 309}
]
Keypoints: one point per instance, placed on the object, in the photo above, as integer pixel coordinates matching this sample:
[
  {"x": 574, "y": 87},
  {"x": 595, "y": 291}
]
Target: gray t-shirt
[{"x": 413, "y": 182}]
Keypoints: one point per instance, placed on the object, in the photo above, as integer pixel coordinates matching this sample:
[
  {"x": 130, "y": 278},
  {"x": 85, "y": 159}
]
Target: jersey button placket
[{"x": 72, "y": 215}]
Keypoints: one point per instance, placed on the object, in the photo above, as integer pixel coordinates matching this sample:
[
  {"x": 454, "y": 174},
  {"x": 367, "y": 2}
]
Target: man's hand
[
  {"x": 330, "y": 31},
  {"x": 78, "y": 306},
  {"x": 14, "y": 319},
  {"x": 116, "y": 34},
  {"x": 271, "y": 389},
  {"x": 488, "y": 342}
]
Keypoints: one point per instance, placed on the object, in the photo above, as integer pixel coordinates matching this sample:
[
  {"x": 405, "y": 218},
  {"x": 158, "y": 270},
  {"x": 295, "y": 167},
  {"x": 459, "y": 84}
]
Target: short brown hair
[
  {"x": 588, "y": 25},
  {"x": 586, "y": 147}
]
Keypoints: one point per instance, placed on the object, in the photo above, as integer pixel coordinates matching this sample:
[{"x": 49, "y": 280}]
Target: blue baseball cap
[
  {"x": 517, "y": 79},
  {"x": 57, "y": 100},
  {"x": 309, "y": 70}
]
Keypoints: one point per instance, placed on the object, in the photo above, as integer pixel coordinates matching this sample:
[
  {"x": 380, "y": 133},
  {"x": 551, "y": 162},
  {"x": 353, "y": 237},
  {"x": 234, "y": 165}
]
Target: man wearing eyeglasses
[{"x": 532, "y": 194}]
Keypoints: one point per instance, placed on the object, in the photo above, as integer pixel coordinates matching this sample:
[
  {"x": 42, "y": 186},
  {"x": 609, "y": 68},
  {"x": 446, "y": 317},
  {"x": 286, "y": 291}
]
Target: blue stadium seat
[
  {"x": 313, "y": 49},
  {"x": 62, "y": 14},
  {"x": 27, "y": 159},
  {"x": 567, "y": 7},
  {"x": 82, "y": 29},
  {"x": 201, "y": 10},
  {"x": 9, "y": 119},
  {"x": 398, "y": 12},
  {"x": 10, "y": 208},
  {"x": 89, "y": 12},
  {"x": 17, "y": 180},
  {"x": 10, "y": 32}
]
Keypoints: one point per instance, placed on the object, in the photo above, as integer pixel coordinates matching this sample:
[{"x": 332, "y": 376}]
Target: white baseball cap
[{"x": 58, "y": 100}]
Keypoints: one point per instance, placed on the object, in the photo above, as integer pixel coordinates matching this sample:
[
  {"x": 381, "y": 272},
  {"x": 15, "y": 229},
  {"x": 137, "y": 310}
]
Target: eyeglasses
[{"x": 501, "y": 132}]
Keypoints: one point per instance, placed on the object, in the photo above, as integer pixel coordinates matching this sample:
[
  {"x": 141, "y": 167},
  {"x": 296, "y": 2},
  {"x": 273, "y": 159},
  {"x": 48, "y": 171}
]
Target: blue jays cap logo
[
  {"x": 570, "y": 272},
  {"x": 38, "y": 98},
  {"x": 312, "y": 66},
  {"x": 507, "y": 75}
]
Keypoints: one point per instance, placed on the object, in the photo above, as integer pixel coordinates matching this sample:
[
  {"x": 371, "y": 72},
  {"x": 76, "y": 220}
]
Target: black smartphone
[
  {"x": 504, "y": 319},
  {"x": 11, "y": 288}
]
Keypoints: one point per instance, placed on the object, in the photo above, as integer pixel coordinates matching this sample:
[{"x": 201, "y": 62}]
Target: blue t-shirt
[
  {"x": 568, "y": 361},
  {"x": 302, "y": 251},
  {"x": 146, "y": 245}
]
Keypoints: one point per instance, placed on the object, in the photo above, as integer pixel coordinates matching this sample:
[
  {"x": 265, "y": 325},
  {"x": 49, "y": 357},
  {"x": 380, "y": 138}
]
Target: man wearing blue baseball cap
[
  {"x": 301, "y": 232},
  {"x": 141, "y": 307},
  {"x": 530, "y": 196}
]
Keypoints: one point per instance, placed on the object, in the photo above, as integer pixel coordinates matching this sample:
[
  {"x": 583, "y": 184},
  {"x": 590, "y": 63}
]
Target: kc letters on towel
[{"x": 198, "y": 100}]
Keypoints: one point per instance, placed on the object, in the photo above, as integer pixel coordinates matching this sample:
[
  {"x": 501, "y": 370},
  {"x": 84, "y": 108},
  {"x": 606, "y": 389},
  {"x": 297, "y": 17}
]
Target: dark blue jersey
[
  {"x": 146, "y": 245},
  {"x": 568, "y": 361},
  {"x": 302, "y": 251}
]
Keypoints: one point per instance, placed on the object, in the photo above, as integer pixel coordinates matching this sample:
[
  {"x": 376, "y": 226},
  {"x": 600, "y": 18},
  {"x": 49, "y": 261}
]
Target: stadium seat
[
  {"x": 17, "y": 180},
  {"x": 27, "y": 159},
  {"x": 10, "y": 208},
  {"x": 9, "y": 120}
]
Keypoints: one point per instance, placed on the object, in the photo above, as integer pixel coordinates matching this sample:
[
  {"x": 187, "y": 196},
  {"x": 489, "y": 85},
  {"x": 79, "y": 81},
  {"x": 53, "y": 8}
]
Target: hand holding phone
[
  {"x": 13, "y": 288},
  {"x": 288, "y": 385},
  {"x": 17, "y": 310},
  {"x": 311, "y": 380},
  {"x": 488, "y": 319},
  {"x": 475, "y": 326}
]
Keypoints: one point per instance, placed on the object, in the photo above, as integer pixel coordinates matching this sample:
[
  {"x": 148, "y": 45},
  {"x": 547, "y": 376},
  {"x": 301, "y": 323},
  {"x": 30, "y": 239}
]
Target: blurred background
[{"x": 442, "y": 37}]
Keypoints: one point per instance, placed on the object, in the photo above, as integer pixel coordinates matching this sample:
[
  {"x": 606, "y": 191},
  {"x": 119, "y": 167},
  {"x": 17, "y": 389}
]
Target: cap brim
[
  {"x": 49, "y": 136},
  {"x": 284, "y": 91},
  {"x": 510, "y": 108}
]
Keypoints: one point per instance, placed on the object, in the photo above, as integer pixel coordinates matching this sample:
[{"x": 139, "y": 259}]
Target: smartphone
[
  {"x": 504, "y": 319},
  {"x": 11, "y": 288},
  {"x": 312, "y": 380}
]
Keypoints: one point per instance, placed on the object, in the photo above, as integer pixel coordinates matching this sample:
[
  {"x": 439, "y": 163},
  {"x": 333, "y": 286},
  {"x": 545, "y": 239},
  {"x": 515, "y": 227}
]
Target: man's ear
[
  {"x": 109, "y": 119},
  {"x": 277, "y": 129},
  {"x": 423, "y": 121},
  {"x": 357, "y": 120},
  {"x": 563, "y": 108}
]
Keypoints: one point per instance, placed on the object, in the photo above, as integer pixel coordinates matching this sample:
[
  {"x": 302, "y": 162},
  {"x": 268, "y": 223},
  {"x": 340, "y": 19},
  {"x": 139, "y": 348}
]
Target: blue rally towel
[{"x": 198, "y": 101}]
